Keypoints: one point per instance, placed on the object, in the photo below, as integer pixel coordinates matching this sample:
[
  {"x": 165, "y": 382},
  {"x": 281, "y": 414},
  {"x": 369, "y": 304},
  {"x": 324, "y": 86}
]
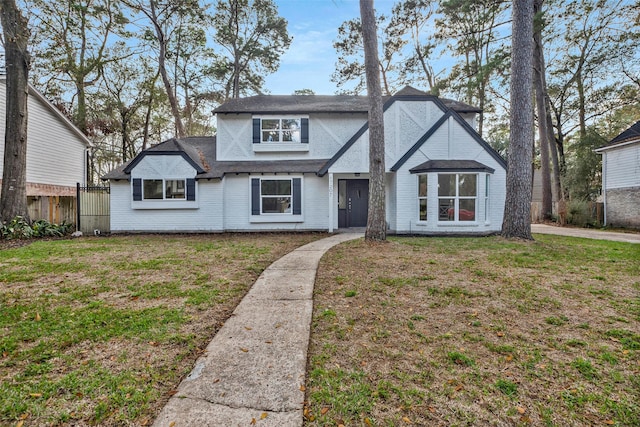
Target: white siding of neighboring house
[
  {"x": 55, "y": 153},
  {"x": 622, "y": 166},
  {"x": 205, "y": 214},
  {"x": 237, "y": 205}
]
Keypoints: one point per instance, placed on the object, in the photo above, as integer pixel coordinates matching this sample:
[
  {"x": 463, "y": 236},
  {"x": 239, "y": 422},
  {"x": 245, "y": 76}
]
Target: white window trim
[
  {"x": 165, "y": 204},
  {"x": 274, "y": 217},
  {"x": 164, "y": 190},
  {"x": 281, "y": 117},
  {"x": 423, "y": 221},
  {"x": 457, "y": 199}
]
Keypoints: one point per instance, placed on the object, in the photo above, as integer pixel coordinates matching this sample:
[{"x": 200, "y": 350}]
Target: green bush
[
  {"x": 19, "y": 228},
  {"x": 578, "y": 213}
]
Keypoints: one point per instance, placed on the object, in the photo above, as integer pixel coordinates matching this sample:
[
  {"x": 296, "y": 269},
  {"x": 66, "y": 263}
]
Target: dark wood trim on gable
[{"x": 142, "y": 155}]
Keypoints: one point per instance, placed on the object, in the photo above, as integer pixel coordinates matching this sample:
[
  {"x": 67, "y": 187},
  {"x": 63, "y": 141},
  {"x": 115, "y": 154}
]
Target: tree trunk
[
  {"x": 517, "y": 212},
  {"x": 173, "y": 102},
  {"x": 13, "y": 200},
  {"x": 376, "y": 219},
  {"x": 543, "y": 133}
]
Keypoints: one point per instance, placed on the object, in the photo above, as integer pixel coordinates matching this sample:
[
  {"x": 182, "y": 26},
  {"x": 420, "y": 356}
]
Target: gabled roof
[
  {"x": 630, "y": 135},
  {"x": 64, "y": 119},
  {"x": 471, "y": 131},
  {"x": 304, "y": 104},
  {"x": 200, "y": 152}
]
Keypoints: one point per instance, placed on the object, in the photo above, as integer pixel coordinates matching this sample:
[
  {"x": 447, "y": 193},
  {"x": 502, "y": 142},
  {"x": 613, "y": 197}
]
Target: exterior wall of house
[
  {"x": 207, "y": 217},
  {"x": 327, "y": 133},
  {"x": 622, "y": 207},
  {"x": 203, "y": 214},
  {"x": 55, "y": 154},
  {"x": 622, "y": 185},
  {"x": 451, "y": 141},
  {"x": 237, "y": 206}
]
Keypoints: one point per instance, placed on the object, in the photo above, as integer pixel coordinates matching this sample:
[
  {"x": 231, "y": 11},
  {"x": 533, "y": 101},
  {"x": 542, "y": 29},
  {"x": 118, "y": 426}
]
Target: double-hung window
[
  {"x": 276, "y": 196},
  {"x": 422, "y": 197},
  {"x": 280, "y": 130},
  {"x": 457, "y": 196}
]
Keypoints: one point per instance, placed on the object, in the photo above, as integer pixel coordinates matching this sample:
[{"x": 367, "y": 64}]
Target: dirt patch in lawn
[{"x": 461, "y": 331}]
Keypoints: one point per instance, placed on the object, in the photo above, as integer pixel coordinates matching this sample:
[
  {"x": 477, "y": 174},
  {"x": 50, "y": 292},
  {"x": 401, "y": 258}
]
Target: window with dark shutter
[
  {"x": 256, "y": 131},
  {"x": 137, "y": 189},
  {"x": 304, "y": 124},
  {"x": 191, "y": 189},
  {"x": 255, "y": 196},
  {"x": 297, "y": 196}
]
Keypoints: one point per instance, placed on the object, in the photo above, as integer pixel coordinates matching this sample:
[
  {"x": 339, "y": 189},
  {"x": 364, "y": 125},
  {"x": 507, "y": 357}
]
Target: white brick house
[
  {"x": 301, "y": 163},
  {"x": 621, "y": 179}
]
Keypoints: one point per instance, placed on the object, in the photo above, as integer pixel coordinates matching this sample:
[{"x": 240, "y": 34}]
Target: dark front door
[{"x": 352, "y": 211}]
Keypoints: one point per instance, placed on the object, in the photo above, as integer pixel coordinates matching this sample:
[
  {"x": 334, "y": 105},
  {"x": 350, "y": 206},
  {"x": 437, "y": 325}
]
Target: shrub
[{"x": 19, "y": 228}]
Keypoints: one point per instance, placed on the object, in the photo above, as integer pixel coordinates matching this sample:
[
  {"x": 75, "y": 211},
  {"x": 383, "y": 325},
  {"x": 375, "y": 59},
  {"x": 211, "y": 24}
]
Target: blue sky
[{"x": 311, "y": 58}]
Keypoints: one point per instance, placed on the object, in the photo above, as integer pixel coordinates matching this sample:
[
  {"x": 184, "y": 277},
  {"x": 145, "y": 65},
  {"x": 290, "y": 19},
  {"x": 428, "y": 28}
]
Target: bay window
[{"x": 457, "y": 197}]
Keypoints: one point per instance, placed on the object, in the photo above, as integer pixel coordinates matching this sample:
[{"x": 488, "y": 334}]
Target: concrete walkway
[
  {"x": 253, "y": 371},
  {"x": 586, "y": 233}
]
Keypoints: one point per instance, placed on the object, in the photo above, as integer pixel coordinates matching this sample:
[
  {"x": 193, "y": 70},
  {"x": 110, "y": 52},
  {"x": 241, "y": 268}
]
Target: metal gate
[{"x": 93, "y": 212}]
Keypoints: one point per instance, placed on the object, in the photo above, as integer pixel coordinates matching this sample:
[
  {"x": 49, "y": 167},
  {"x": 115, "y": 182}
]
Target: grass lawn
[
  {"x": 100, "y": 331},
  {"x": 476, "y": 331}
]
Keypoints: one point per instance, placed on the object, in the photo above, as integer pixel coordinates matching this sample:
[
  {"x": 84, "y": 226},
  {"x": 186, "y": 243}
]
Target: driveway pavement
[{"x": 587, "y": 233}]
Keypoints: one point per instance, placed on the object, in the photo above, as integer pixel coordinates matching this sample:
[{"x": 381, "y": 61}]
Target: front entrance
[{"x": 353, "y": 202}]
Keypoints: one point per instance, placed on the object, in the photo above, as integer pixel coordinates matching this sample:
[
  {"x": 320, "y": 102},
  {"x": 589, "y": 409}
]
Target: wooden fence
[{"x": 55, "y": 209}]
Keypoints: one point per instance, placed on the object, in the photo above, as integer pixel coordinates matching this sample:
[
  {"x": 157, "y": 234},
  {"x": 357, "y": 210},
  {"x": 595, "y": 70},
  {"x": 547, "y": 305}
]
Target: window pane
[
  {"x": 275, "y": 187},
  {"x": 291, "y": 136},
  {"x": 152, "y": 188},
  {"x": 276, "y": 205},
  {"x": 467, "y": 184},
  {"x": 446, "y": 210},
  {"x": 271, "y": 136},
  {"x": 342, "y": 194},
  {"x": 423, "y": 209},
  {"x": 270, "y": 124},
  {"x": 291, "y": 124},
  {"x": 467, "y": 210},
  {"x": 175, "y": 189},
  {"x": 422, "y": 186},
  {"x": 446, "y": 185}
]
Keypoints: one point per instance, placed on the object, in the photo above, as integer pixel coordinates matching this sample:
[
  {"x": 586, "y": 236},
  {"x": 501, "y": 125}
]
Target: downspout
[
  {"x": 604, "y": 185},
  {"x": 331, "y": 205}
]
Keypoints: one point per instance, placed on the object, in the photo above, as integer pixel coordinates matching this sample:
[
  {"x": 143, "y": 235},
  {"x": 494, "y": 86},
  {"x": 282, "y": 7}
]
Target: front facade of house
[
  {"x": 302, "y": 163},
  {"x": 56, "y": 149},
  {"x": 621, "y": 179}
]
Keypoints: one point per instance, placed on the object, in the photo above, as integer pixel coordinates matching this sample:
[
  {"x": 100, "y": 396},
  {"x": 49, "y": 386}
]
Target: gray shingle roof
[
  {"x": 201, "y": 151},
  {"x": 451, "y": 166},
  {"x": 632, "y": 133},
  {"x": 290, "y": 104}
]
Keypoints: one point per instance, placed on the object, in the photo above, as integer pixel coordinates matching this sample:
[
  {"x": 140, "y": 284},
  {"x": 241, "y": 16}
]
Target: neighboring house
[
  {"x": 302, "y": 163},
  {"x": 56, "y": 153},
  {"x": 621, "y": 179}
]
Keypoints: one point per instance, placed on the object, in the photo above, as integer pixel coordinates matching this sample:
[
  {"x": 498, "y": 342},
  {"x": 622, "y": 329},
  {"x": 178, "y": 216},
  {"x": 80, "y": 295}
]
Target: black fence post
[{"x": 77, "y": 206}]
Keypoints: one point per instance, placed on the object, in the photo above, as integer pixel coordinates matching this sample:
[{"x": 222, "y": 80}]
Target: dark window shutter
[
  {"x": 137, "y": 189},
  {"x": 305, "y": 131},
  {"x": 255, "y": 196},
  {"x": 191, "y": 189},
  {"x": 256, "y": 131},
  {"x": 297, "y": 196}
]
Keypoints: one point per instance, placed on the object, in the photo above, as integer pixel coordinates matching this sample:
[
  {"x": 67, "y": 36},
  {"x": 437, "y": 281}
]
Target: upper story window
[{"x": 281, "y": 130}]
